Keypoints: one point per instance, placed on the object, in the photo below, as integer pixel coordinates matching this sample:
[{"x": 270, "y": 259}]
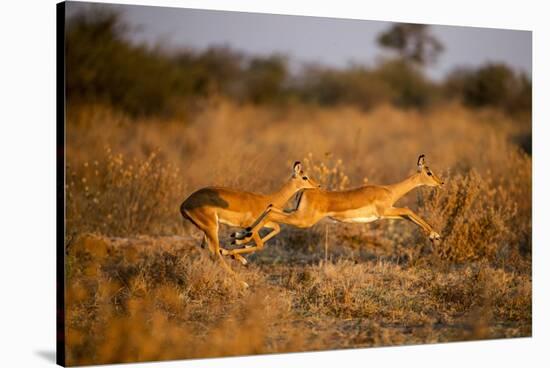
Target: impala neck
[
  {"x": 405, "y": 186},
  {"x": 281, "y": 196}
]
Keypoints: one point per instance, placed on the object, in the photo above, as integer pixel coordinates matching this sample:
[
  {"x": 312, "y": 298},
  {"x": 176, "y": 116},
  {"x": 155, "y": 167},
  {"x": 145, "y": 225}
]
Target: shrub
[
  {"x": 265, "y": 79},
  {"x": 392, "y": 81},
  {"x": 475, "y": 216},
  {"x": 102, "y": 66},
  {"x": 492, "y": 85},
  {"x": 357, "y": 86},
  {"x": 410, "y": 88},
  {"x": 116, "y": 196}
]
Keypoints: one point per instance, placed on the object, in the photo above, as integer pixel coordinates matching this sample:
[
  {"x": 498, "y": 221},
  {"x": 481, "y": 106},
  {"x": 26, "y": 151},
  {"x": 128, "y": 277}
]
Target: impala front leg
[
  {"x": 246, "y": 235},
  {"x": 275, "y": 229},
  {"x": 300, "y": 218},
  {"x": 237, "y": 252},
  {"x": 407, "y": 214}
]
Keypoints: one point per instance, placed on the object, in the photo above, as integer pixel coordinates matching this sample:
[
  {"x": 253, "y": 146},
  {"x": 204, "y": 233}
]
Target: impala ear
[
  {"x": 297, "y": 168},
  {"x": 420, "y": 162}
]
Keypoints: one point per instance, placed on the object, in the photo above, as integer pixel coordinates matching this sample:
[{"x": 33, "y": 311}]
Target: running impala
[
  {"x": 208, "y": 207},
  {"x": 361, "y": 205}
]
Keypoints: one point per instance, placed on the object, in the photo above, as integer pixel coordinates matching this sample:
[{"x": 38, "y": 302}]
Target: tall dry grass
[
  {"x": 159, "y": 298},
  {"x": 140, "y": 289},
  {"x": 116, "y": 195}
]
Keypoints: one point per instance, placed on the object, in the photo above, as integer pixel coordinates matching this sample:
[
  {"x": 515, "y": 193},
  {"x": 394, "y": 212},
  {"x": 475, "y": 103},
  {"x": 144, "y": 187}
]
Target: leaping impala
[
  {"x": 208, "y": 207},
  {"x": 361, "y": 205}
]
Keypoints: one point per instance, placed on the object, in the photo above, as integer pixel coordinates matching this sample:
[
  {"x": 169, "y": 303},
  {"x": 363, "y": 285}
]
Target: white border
[{"x": 27, "y": 179}]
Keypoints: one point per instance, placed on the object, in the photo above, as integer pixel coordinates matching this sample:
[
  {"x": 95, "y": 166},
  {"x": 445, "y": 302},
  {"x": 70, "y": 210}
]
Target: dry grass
[
  {"x": 139, "y": 287},
  {"x": 154, "y": 298},
  {"x": 114, "y": 196}
]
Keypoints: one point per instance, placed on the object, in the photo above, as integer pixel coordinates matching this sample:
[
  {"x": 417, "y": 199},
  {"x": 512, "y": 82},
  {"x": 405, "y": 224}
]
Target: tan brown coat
[
  {"x": 208, "y": 207},
  {"x": 360, "y": 205}
]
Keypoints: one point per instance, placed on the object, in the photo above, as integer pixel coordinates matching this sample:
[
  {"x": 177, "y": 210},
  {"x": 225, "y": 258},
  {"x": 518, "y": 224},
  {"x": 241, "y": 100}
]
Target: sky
[{"x": 327, "y": 41}]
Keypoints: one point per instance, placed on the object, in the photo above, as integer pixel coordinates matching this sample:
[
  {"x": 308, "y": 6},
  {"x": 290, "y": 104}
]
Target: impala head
[
  {"x": 427, "y": 176},
  {"x": 300, "y": 179}
]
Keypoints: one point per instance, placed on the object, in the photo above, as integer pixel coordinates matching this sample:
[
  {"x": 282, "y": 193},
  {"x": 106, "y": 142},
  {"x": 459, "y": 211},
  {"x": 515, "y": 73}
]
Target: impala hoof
[
  {"x": 239, "y": 235},
  {"x": 233, "y": 242},
  {"x": 435, "y": 236}
]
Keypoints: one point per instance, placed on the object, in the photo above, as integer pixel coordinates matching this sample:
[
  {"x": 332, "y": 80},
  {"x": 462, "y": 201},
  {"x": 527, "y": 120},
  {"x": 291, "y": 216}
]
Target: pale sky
[{"x": 328, "y": 41}]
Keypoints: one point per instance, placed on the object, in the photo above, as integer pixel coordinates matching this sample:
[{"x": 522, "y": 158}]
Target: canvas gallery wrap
[{"x": 235, "y": 183}]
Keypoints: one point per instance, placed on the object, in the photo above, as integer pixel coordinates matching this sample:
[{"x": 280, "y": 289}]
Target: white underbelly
[{"x": 360, "y": 219}]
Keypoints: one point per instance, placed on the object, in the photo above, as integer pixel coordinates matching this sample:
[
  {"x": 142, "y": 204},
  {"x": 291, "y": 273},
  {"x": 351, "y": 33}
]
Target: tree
[
  {"x": 412, "y": 42},
  {"x": 265, "y": 79},
  {"x": 495, "y": 85},
  {"x": 103, "y": 66}
]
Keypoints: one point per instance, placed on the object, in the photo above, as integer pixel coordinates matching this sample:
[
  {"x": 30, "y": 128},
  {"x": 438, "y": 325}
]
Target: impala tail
[{"x": 186, "y": 216}]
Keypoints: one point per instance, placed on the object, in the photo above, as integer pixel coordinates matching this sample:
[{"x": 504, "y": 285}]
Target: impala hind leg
[
  {"x": 238, "y": 257},
  {"x": 206, "y": 221},
  {"x": 214, "y": 247}
]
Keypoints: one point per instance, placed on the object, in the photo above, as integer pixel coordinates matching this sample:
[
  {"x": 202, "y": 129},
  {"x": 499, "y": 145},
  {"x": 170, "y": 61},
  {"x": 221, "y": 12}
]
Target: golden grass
[
  {"x": 139, "y": 287},
  {"x": 152, "y": 298}
]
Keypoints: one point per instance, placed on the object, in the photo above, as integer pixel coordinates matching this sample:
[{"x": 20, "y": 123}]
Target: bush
[
  {"x": 473, "y": 218},
  {"x": 117, "y": 197},
  {"x": 483, "y": 216},
  {"x": 409, "y": 86},
  {"x": 492, "y": 85},
  {"x": 102, "y": 66},
  {"x": 265, "y": 78},
  {"x": 216, "y": 71},
  {"x": 393, "y": 81},
  {"x": 357, "y": 86}
]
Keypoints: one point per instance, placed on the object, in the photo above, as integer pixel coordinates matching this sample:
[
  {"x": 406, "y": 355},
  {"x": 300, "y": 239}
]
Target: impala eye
[
  {"x": 429, "y": 173},
  {"x": 304, "y": 177}
]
